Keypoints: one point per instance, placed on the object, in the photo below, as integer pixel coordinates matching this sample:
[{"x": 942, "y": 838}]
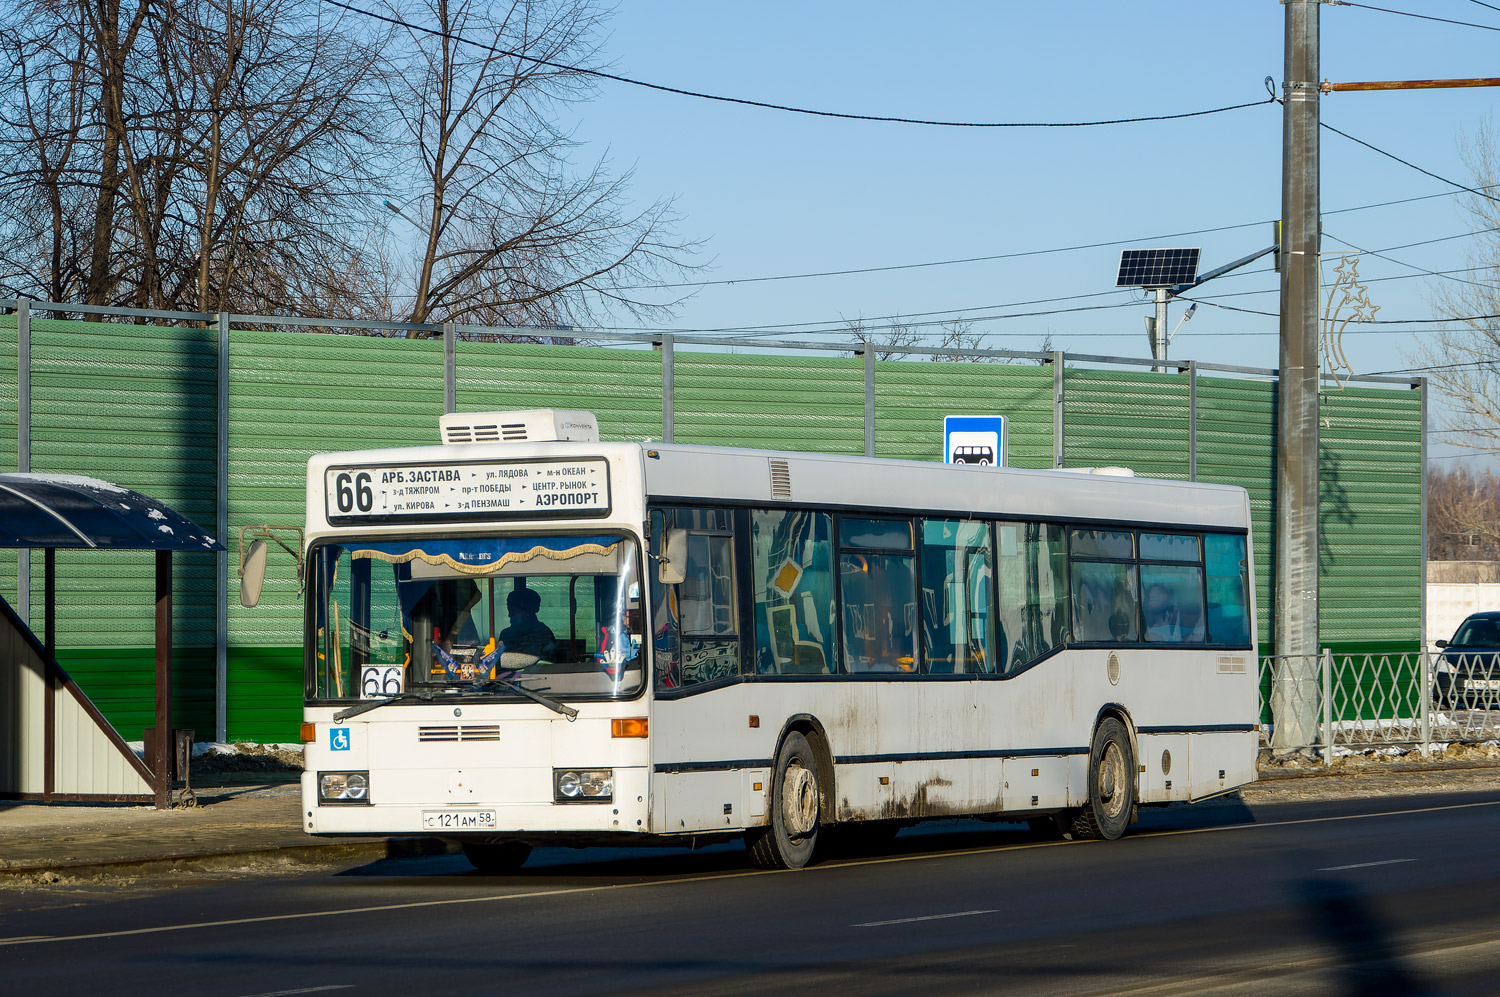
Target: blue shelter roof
[{"x": 68, "y": 510}]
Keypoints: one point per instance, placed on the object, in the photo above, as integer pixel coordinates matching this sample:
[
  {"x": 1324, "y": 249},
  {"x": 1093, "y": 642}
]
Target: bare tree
[
  {"x": 195, "y": 154},
  {"x": 1464, "y": 362},
  {"x": 1463, "y": 515},
  {"x": 509, "y": 233},
  {"x": 892, "y": 341}
]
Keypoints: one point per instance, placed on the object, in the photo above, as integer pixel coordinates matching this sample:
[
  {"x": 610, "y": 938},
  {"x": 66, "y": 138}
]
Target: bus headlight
[
  {"x": 583, "y": 785},
  {"x": 343, "y": 787}
]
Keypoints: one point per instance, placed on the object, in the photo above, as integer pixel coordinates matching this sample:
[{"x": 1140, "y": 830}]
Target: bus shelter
[{"x": 54, "y": 743}]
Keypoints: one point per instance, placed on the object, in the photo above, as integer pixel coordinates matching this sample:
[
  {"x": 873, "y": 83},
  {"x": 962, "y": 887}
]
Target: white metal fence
[{"x": 1332, "y": 701}]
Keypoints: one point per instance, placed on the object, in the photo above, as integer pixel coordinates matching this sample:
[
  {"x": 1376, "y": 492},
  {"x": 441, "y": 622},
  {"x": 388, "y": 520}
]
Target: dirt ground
[{"x": 1462, "y": 768}]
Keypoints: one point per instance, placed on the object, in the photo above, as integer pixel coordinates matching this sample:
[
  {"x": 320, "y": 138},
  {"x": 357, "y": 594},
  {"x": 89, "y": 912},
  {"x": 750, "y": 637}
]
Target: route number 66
[
  {"x": 377, "y": 681},
  {"x": 352, "y": 491}
]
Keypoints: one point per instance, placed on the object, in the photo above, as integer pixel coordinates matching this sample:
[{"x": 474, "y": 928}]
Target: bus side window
[
  {"x": 696, "y": 630},
  {"x": 1032, "y": 581},
  {"x": 958, "y": 628},
  {"x": 793, "y": 578},
  {"x": 1228, "y": 618}
]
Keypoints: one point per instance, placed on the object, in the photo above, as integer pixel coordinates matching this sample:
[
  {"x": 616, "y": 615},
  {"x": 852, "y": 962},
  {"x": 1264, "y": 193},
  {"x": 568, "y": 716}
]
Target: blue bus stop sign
[{"x": 974, "y": 439}]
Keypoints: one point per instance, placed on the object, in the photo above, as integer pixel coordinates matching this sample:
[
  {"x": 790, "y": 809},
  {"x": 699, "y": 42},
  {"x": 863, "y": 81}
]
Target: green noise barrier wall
[{"x": 137, "y": 405}]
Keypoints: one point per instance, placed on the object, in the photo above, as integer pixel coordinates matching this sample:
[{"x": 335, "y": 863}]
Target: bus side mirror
[
  {"x": 671, "y": 567},
  {"x": 252, "y": 573}
]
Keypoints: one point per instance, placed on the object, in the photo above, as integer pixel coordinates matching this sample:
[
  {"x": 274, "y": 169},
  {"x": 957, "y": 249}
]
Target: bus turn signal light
[
  {"x": 628, "y": 727},
  {"x": 309, "y": 733}
]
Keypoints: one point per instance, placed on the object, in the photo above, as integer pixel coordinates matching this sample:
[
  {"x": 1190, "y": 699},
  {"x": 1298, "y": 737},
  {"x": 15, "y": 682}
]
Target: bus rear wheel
[
  {"x": 496, "y": 859},
  {"x": 1111, "y": 784},
  {"x": 792, "y": 834}
]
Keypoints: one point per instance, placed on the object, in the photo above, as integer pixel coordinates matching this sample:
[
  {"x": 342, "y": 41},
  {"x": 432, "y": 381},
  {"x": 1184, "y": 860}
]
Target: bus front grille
[{"x": 457, "y": 732}]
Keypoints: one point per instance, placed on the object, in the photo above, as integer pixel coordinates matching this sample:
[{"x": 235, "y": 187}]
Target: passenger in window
[
  {"x": 526, "y": 634},
  {"x": 1163, "y": 617}
]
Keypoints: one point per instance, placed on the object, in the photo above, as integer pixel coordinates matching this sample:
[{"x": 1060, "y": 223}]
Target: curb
[
  {"x": 1343, "y": 771},
  {"x": 372, "y": 850}
]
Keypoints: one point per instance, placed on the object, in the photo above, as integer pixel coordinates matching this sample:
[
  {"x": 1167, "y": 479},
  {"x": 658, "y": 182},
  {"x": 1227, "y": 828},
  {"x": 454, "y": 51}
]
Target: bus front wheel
[
  {"x": 792, "y": 834},
  {"x": 1111, "y": 784},
  {"x": 496, "y": 859}
]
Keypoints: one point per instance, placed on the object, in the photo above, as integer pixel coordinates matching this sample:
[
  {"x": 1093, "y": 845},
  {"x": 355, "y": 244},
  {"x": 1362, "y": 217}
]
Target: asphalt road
[{"x": 1349, "y": 896}]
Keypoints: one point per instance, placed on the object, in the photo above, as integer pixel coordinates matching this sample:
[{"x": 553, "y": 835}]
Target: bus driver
[{"x": 526, "y": 634}]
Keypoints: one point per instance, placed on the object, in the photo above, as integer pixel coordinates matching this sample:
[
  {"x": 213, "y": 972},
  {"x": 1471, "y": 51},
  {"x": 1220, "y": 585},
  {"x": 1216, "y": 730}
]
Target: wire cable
[
  {"x": 1407, "y": 13},
  {"x": 1032, "y": 252},
  {"x": 1452, "y": 183},
  {"x": 888, "y": 119},
  {"x": 1402, "y": 263}
]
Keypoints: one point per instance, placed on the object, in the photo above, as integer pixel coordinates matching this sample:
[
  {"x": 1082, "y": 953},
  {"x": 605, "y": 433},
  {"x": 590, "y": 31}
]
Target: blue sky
[{"x": 773, "y": 193}]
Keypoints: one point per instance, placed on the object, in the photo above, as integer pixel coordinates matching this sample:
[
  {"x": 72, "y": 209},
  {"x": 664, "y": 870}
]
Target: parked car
[{"x": 1466, "y": 675}]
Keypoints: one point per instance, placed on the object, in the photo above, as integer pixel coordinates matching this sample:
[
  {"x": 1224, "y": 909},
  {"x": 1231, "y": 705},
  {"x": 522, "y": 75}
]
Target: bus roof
[
  {"x": 686, "y": 473},
  {"x": 735, "y": 475}
]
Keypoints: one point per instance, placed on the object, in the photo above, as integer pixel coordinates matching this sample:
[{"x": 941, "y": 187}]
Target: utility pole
[
  {"x": 1294, "y": 697},
  {"x": 1159, "y": 330}
]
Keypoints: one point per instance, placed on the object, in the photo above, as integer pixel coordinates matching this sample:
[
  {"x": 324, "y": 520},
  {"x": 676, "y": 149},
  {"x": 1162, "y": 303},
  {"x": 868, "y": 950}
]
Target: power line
[
  {"x": 1390, "y": 155},
  {"x": 1402, "y": 263},
  {"x": 1033, "y": 252},
  {"x": 1422, "y": 17},
  {"x": 1445, "y": 366},
  {"x": 887, "y": 119}
]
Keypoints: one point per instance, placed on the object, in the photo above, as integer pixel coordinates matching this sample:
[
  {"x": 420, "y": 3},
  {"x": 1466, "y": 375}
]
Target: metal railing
[{"x": 1354, "y": 701}]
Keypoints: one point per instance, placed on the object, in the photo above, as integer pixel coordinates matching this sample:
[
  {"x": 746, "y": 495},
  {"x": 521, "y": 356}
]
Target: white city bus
[{"x": 525, "y": 636}]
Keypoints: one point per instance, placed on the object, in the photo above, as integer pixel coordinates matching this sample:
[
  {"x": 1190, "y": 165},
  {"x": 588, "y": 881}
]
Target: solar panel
[{"x": 1157, "y": 267}]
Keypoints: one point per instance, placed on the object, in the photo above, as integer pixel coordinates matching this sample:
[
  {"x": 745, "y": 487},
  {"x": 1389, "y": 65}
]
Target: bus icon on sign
[
  {"x": 976, "y": 440},
  {"x": 984, "y": 456}
]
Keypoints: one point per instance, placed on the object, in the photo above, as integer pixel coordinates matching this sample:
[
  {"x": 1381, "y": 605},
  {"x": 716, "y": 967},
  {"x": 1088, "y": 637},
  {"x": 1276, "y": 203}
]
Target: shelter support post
[
  {"x": 23, "y": 445},
  {"x": 49, "y": 680},
  {"x": 161, "y": 756}
]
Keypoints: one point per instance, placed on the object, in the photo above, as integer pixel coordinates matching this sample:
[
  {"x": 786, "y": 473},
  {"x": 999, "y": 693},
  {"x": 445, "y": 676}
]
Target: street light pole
[{"x": 1294, "y": 695}]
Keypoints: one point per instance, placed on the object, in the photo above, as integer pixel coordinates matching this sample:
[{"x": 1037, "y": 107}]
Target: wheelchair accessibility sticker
[{"x": 338, "y": 738}]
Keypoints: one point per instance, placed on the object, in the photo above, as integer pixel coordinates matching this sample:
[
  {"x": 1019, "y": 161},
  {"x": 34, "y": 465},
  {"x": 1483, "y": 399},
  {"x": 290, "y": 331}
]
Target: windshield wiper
[
  {"x": 535, "y": 697},
  {"x": 375, "y": 704}
]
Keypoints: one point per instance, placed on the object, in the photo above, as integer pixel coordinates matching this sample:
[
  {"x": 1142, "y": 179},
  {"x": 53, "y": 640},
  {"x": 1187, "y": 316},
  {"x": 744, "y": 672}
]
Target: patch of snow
[{"x": 73, "y": 479}]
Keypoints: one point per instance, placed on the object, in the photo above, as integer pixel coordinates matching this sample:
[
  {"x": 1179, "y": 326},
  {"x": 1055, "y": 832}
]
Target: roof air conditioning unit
[{"x": 544, "y": 425}]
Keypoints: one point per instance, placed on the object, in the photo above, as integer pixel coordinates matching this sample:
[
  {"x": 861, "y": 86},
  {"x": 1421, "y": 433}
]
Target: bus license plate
[{"x": 458, "y": 820}]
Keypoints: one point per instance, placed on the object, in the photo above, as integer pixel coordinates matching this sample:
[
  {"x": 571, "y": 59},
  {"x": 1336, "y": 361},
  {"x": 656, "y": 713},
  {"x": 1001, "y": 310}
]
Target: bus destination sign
[{"x": 464, "y": 490}]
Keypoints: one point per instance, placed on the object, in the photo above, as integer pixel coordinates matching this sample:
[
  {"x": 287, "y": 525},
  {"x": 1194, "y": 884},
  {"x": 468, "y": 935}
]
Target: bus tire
[
  {"x": 496, "y": 858},
  {"x": 792, "y": 832},
  {"x": 1111, "y": 785}
]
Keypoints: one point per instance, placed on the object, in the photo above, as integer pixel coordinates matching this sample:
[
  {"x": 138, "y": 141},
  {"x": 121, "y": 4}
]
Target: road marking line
[
  {"x": 929, "y": 917},
  {"x": 714, "y": 877},
  {"x": 1363, "y": 865},
  {"x": 305, "y": 990}
]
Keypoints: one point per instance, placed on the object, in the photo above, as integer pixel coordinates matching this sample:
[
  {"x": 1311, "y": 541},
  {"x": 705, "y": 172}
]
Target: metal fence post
[
  {"x": 1192, "y": 373},
  {"x": 668, "y": 379},
  {"x": 1058, "y": 366},
  {"x": 221, "y": 527},
  {"x": 23, "y": 444},
  {"x": 1424, "y": 699},
  {"x": 869, "y": 401},
  {"x": 1328, "y": 736},
  {"x": 450, "y": 369}
]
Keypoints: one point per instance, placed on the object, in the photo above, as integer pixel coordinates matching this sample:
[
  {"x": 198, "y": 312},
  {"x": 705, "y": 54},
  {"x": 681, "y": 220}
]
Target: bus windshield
[{"x": 475, "y": 616}]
